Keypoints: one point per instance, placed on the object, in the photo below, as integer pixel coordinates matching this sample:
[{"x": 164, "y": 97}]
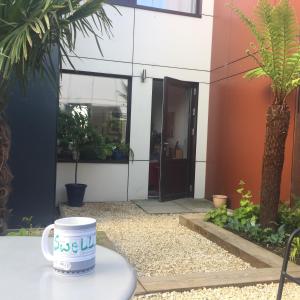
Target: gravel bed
[
  {"x": 157, "y": 244},
  {"x": 258, "y": 292}
]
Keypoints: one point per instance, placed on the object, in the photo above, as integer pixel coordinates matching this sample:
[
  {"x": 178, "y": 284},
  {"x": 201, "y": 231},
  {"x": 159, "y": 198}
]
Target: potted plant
[
  {"x": 219, "y": 200},
  {"x": 122, "y": 151},
  {"x": 75, "y": 130}
]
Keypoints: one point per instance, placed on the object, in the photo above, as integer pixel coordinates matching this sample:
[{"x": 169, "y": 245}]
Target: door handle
[{"x": 165, "y": 146}]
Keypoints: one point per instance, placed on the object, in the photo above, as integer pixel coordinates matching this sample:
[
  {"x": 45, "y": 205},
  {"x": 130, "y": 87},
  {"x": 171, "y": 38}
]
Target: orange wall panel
[{"x": 237, "y": 111}]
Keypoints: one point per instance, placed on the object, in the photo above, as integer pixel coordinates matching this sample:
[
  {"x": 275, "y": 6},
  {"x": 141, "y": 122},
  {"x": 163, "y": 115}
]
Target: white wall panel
[
  {"x": 138, "y": 180},
  {"x": 200, "y": 180},
  {"x": 100, "y": 66},
  {"x": 202, "y": 125},
  {"x": 181, "y": 74},
  {"x": 208, "y": 7},
  {"x": 141, "y": 102},
  {"x": 117, "y": 47},
  {"x": 172, "y": 40},
  {"x": 106, "y": 182}
]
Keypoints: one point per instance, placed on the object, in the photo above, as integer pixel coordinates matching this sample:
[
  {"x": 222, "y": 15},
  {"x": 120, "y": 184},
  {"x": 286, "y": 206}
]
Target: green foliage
[
  {"x": 244, "y": 220},
  {"x": 218, "y": 216},
  {"x": 295, "y": 251},
  {"x": 290, "y": 217},
  {"x": 277, "y": 51},
  {"x": 30, "y": 30},
  {"x": 27, "y": 230},
  {"x": 76, "y": 132},
  {"x": 126, "y": 150},
  {"x": 247, "y": 212}
]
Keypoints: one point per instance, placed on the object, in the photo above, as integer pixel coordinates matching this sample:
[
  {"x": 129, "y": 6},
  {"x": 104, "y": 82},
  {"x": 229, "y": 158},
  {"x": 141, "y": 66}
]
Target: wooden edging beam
[
  {"x": 267, "y": 263},
  {"x": 257, "y": 256}
]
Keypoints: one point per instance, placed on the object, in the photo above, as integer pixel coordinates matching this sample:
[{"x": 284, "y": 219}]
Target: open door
[{"x": 177, "y": 170}]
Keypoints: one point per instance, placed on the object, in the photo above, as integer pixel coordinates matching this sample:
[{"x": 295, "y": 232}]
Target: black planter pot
[{"x": 75, "y": 193}]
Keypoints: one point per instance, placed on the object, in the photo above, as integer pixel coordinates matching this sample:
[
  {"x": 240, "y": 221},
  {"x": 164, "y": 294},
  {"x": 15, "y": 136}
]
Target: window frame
[
  {"x": 128, "y": 127},
  {"x": 133, "y": 3}
]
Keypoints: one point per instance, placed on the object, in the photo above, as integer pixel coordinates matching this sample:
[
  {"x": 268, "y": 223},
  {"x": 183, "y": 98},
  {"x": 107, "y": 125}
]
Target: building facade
[{"x": 159, "y": 58}]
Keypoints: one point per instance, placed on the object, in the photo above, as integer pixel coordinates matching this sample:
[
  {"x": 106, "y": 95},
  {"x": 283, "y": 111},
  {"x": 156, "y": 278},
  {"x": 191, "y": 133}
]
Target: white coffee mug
[{"x": 74, "y": 245}]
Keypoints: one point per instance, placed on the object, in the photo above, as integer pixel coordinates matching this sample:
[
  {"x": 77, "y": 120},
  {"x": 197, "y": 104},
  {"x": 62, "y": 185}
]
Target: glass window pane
[
  {"x": 187, "y": 6},
  {"x": 104, "y": 101}
]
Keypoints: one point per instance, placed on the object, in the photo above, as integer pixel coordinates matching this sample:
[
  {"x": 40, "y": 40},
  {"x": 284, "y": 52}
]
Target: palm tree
[
  {"x": 29, "y": 33},
  {"x": 277, "y": 55}
]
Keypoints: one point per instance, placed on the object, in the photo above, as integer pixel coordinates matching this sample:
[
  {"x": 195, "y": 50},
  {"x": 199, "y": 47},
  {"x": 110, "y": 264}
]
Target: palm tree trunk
[
  {"x": 5, "y": 173},
  {"x": 277, "y": 126}
]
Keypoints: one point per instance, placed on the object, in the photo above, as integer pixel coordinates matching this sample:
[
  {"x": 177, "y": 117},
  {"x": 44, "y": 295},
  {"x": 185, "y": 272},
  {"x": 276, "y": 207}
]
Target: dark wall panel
[{"x": 32, "y": 120}]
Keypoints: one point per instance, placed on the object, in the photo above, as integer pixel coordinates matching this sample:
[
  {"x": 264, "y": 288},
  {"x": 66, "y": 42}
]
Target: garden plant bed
[
  {"x": 275, "y": 249},
  {"x": 256, "y": 255}
]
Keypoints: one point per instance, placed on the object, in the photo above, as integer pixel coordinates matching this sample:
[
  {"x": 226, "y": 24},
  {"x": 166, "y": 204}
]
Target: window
[
  {"x": 102, "y": 102},
  {"x": 186, "y": 7}
]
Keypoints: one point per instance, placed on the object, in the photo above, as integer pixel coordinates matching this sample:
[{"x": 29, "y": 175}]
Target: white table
[{"x": 26, "y": 275}]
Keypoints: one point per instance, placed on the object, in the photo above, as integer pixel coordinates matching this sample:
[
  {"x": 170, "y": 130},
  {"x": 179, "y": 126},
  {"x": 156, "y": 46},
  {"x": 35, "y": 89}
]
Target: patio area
[{"x": 157, "y": 245}]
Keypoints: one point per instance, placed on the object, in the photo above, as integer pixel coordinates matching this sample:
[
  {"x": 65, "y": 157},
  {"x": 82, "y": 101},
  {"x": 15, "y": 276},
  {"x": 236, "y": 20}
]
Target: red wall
[{"x": 237, "y": 110}]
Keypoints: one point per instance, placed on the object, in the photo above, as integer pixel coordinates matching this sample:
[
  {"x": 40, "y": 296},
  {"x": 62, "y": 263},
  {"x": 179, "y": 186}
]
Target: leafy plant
[
  {"x": 277, "y": 56},
  {"x": 244, "y": 220},
  {"x": 30, "y": 30},
  {"x": 76, "y": 131},
  {"x": 295, "y": 251},
  {"x": 27, "y": 230},
  {"x": 125, "y": 149},
  {"x": 218, "y": 216},
  {"x": 290, "y": 217},
  {"x": 247, "y": 212},
  {"x": 277, "y": 238}
]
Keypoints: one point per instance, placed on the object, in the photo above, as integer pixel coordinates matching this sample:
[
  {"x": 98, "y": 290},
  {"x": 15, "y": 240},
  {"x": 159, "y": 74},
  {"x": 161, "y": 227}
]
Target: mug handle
[{"x": 45, "y": 245}]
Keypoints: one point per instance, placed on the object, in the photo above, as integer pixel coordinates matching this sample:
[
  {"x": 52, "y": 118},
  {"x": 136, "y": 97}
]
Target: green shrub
[
  {"x": 295, "y": 252},
  {"x": 218, "y": 216},
  {"x": 247, "y": 212},
  {"x": 244, "y": 220},
  {"x": 290, "y": 217}
]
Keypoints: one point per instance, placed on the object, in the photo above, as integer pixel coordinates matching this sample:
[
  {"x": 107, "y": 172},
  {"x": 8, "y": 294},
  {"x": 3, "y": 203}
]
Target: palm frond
[
  {"x": 277, "y": 52},
  {"x": 31, "y": 30}
]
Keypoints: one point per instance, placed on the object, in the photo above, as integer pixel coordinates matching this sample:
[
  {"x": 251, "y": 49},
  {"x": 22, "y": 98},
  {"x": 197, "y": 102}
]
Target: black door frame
[{"x": 192, "y": 140}]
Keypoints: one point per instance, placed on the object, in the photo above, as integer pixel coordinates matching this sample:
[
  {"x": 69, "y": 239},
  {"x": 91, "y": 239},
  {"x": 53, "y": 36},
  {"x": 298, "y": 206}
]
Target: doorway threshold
[{"x": 178, "y": 206}]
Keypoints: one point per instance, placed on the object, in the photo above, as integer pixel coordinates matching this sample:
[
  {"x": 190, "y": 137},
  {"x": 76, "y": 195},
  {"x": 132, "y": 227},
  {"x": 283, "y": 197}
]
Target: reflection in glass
[
  {"x": 187, "y": 6},
  {"x": 104, "y": 100}
]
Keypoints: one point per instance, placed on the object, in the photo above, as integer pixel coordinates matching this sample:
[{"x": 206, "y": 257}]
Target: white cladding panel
[
  {"x": 99, "y": 66},
  {"x": 208, "y": 7},
  {"x": 141, "y": 118},
  {"x": 106, "y": 182},
  {"x": 180, "y": 74},
  {"x": 202, "y": 125},
  {"x": 172, "y": 40},
  {"x": 119, "y": 45},
  {"x": 138, "y": 180},
  {"x": 200, "y": 180}
]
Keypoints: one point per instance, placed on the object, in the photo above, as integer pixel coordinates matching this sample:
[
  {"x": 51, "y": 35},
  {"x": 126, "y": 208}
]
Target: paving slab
[
  {"x": 179, "y": 206},
  {"x": 195, "y": 205}
]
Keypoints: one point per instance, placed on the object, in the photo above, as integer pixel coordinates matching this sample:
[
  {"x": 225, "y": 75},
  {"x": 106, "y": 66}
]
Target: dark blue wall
[{"x": 32, "y": 119}]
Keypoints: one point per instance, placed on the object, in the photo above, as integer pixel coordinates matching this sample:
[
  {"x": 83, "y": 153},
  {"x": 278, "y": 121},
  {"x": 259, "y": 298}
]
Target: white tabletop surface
[{"x": 26, "y": 275}]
